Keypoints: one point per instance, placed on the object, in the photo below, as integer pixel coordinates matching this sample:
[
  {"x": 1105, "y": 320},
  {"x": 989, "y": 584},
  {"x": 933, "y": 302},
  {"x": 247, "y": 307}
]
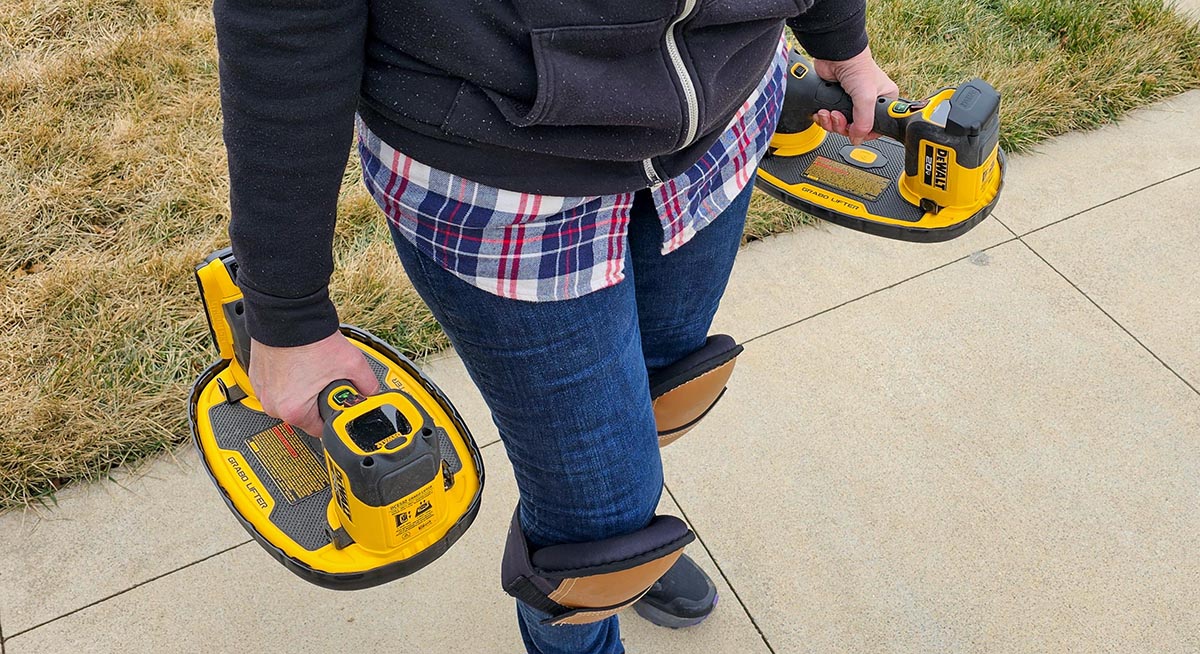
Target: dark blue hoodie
[{"x": 560, "y": 97}]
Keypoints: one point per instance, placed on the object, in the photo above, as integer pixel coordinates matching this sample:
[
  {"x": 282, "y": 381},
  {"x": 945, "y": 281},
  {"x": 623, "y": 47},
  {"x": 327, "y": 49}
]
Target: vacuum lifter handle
[{"x": 807, "y": 94}]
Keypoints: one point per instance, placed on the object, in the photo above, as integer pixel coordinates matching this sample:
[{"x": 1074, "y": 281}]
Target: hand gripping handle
[{"x": 807, "y": 94}]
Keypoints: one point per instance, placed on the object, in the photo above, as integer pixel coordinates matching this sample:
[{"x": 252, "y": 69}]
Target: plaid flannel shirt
[{"x": 540, "y": 247}]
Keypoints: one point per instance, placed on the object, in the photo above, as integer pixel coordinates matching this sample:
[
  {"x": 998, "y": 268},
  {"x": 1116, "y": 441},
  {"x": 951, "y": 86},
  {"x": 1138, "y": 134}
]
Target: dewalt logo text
[
  {"x": 941, "y": 167},
  {"x": 937, "y": 167}
]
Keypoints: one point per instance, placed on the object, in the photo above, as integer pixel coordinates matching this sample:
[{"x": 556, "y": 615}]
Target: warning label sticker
[
  {"x": 414, "y": 513},
  {"x": 848, "y": 179},
  {"x": 287, "y": 459}
]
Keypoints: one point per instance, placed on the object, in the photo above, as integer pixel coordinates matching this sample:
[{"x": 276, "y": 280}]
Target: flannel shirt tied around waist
[{"x": 540, "y": 248}]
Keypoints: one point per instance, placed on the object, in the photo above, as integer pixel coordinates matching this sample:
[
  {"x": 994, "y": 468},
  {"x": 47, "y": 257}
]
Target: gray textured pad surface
[{"x": 889, "y": 203}]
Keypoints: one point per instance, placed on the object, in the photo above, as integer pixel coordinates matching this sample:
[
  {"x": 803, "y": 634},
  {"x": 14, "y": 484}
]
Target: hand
[
  {"x": 287, "y": 380},
  {"x": 862, "y": 78}
]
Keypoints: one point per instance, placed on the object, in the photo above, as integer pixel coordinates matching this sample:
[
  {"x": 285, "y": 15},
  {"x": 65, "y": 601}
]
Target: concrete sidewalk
[{"x": 986, "y": 445}]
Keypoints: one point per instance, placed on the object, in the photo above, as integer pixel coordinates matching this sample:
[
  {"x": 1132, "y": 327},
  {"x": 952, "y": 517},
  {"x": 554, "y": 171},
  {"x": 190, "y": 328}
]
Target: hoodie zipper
[{"x": 689, "y": 89}]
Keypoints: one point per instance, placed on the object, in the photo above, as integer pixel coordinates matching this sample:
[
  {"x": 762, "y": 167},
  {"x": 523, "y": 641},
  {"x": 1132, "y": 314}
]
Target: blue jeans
[{"x": 567, "y": 386}]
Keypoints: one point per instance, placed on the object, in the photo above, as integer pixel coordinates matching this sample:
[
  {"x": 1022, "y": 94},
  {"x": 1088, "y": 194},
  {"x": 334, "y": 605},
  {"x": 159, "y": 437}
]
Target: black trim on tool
[
  {"x": 887, "y": 230},
  {"x": 382, "y": 574}
]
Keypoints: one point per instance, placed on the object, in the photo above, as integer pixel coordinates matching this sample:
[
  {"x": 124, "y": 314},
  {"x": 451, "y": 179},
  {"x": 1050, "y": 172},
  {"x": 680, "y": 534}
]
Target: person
[{"x": 566, "y": 184}]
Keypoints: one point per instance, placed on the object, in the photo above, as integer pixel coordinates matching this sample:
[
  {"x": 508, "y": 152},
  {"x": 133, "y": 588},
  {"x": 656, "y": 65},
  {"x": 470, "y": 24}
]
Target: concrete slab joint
[
  {"x": 203, "y": 607},
  {"x": 1081, "y": 170},
  {"x": 1140, "y": 273},
  {"x": 982, "y": 444},
  {"x": 1009, "y": 488}
]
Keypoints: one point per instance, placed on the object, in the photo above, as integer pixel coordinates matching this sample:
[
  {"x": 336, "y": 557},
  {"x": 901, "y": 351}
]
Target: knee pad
[
  {"x": 588, "y": 582},
  {"x": 685, "y": 391}
]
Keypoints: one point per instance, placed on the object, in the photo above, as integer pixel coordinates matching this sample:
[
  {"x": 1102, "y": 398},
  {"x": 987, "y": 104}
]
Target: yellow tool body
[
  {"x": 391, "y": 484},
  {"x": 936, "y": 172}
]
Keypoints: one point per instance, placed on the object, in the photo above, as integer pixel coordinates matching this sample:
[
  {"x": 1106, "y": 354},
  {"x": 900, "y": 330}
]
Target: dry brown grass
[{"x": 112, "y": 185}]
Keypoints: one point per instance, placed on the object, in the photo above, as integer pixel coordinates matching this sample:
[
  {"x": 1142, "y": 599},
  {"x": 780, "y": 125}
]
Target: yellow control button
[{"x": 863, "y": 155}]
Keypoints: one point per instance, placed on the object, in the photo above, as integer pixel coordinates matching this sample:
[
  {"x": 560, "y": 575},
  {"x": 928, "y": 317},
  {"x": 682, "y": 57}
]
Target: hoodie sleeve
[
  {"x": 835, "y": 30},
  {"x": 290, "y": 72}
]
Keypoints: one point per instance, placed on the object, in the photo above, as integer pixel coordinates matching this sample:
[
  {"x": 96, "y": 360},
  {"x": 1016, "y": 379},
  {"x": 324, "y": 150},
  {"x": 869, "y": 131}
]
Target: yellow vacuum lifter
[
  {"x": 936, "y": 172},
  {"x": 391, "y": 484}
]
